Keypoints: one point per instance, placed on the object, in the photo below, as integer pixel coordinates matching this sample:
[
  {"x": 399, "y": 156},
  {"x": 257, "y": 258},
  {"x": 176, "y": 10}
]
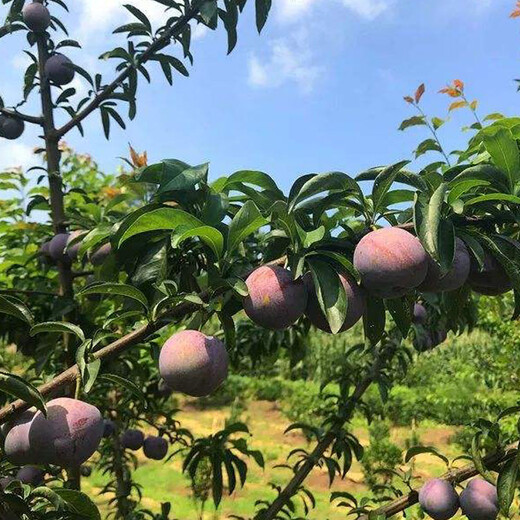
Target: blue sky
[{"x": 321, "y": 89}]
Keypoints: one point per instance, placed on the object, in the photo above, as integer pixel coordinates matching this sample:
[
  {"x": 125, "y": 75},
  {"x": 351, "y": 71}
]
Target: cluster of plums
[
  {"x": 60, "y": 249},
  {"x": 155, "y": 448},
  {"x": 478, "y": 501},
  {"x": 391, "y": 263}
]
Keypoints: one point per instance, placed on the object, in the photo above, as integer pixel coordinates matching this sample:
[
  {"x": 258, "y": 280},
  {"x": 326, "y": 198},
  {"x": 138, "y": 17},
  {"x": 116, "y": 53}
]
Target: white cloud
[
  {"x": 14, "y": 154},
  {"x": 368, "y": 9},
  {"x": 289, "y": 60}
]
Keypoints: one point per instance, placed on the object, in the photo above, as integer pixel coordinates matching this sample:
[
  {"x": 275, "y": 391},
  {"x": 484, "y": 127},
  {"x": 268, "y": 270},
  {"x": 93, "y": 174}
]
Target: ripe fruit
[
  {"x": 492, "y": 280},
  {"x": 57, "y": 247},
  {"x": 69, "y": 435},
  {"x": 36, "y": 16},
  {"x": 109, "y": 428},
  {"x": 155, "y": 448},
  {"x": 193, "y": 363},
  {"x": 5, "y": 481},
  {"x": 420, "y": 314},
  {"x": 456, "y": 277},
  {"x": 391, "y": 262},
  {"x": 72, "y": 251},
  {"x": 132, "y": 439},
  {"x": 17, "y": 448},
  {"x": 59, "y": 70},
  {"x": 275, "y": 299},
  {"x": 101, "y": 254},
  {"x": 438, "y": 499},
  {"x": 30, "y": 475},
  {"x": 479, "y": 501},
  {"x": 11, "y": 127},
  {"x": 355, "y": 304}
]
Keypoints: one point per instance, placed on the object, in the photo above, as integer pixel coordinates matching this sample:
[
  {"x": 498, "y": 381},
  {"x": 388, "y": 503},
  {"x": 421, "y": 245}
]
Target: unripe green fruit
[
  {"x": 101, "y": 255},
  {"x": 155, "y": 448},
  {"x": 132, "y": 439},
  {"x": 479, "y": 501},
  {"x": 355, "y": 304},
  {"x": 438, "y": 499},
  {"x": 36, "y": 16},
  {"x": 59, "y": 70},
  {"x": 391, "y": 262},
  {"x": 275, "y": 301},
  {"x": 30, "y": 475},
  {"x": 11, "y": 127},
  {"x": 193, "y": 363}
]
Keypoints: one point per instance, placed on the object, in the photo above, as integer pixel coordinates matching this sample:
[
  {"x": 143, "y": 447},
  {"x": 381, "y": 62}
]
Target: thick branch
[
  {"x": 454, "y": 476},
  {"x": 37, "y": 120},
  {"x": 156, "y": 46}
]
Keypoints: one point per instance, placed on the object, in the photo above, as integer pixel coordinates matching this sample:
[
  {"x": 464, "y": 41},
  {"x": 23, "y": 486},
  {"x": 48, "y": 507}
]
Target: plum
[
  {"x": 420, "y": 314},
  {"x": 69, "y": 434},
  {"x": 30, "y": 475},
  {"x": 11, "y": 127},
  {"x": 101, "y": 254},
  {"x": 155, "y": 448},
  {"x": 73, "y": 250},
  {"x": 36, "y": 16},
  {"x": 456, "y": 277},
  {"x": 193, "y": 363},
  {"x": 17, "y": 447},
  {"x": 5, "y": 481},
  {"x": 275, "y": 299},
  {"x": 439, "y": 499},
  {"x": 479, "y": 501},
  {"x": 492, "y": 280},
  {"x": 355, "y": 304},
  {"x": 57, "y": 248},
  {"x": 109, "y": 428},
  {"x": 59, "y": 70},
  {"x": 391, "y": 262},
  {"x": 132, "y": 439}
]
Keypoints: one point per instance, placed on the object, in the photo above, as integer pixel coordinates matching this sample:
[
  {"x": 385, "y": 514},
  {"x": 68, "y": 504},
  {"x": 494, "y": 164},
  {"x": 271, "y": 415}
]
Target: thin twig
[{"x": 37, "y": 120}]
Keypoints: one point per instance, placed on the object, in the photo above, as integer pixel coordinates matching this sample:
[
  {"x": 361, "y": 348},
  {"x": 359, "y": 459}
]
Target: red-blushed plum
[
  {"x": 36, "y": 16},
  {"x": 57, "y": 248},
  {"x": 109, "y": 428},
  {"x": 132, "y": 439},
  {"x": 479, "y": 501},
  {"x": 275, "y": 299},
  {"x": 439, "y": 499},
  {"x": 31, "y": 475},
  {"x": 155, "y": 448},
  {"x": 193, "y": 363},
  {"x": 101, "y": 254},
  {"x": 456, "y": 277},
  {"x": 73, "y": 250},
  {"x": 17, "y": 447},
  {"x": 355, "y": 304},
  {"x": 391, "y": 262},
  {"x": 492, "y": 280},
  {"x": 70, "y": 433},
  {"x": 420, "y": 314},
  {"x": 59, "y": 70},
  {"x": 11, "y": 127}
]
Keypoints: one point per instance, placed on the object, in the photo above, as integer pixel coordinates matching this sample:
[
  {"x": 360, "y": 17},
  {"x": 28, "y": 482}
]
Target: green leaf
[
  {"x": 17, "y": 387},
  {"x": 495, "y": 197},
  {"x": 186, "y": 179},
  {"x": 256, "y": 178},
  {"x": 262, "y": 8},
  {"x": 374, "y": 319},
  {"x": 428, "y": 145},
  {"x": 116, "y": 289},
  {"x": 209, "y": 235},
  {"x": 412, "y": 121},
  {"x": 459, "y": 188},
  {"x": 16, "y": 308},
  {"x": 483, "y": 172},
  {"x": 506, "y": 485},
  {"x": 58, "y": 326},
  {"x": 125, "y": 383},
  {"x": 401, "y": 310},
  {"x": 383, "y": 183},
  {"x": 503, "y": 150},
  {"x": 419, "y": 450},
  {"x": 90, "y": 374},
  {"x": 246, "y": 221},
  {"x": 79, "y": 503}
]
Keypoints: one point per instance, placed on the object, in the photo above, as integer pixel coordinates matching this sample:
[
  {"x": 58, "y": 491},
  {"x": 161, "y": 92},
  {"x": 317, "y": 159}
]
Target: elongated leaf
[
  {"x": 16, "y": 308},
  {"x": 17, "y": 387},
  {"x": 125, "y": 383},
  {"x": 374, "y": 319},
  {"x": 256, "y": 178},
  {"x": 116, "y": 289},
  {"x": 419, "y": 450},
  {"x": 401, "y": 310},
  {"x": 58, "y": 327},
  {"x": 79, "y": 503},
  {"x": 503, "y": 149},
  {"x": 506, "y": 485},
  {"x": 262, "y": 12},
  {"x": 186, "y": 179},
  {"x": 383, "y": 183},
  {"x": 209, "y": 235},
  {"x": 246, "y": 221},
  {"x": 494, "y": 197}
]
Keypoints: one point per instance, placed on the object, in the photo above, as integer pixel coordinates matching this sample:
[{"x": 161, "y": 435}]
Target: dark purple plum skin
[
  {"x": 454, "y": 279},
  {"x": 439, "y": 499},
  {"x": 109, "y": 428},
  {"x": 58, "y": 69},
  {"x": 36, "y": 16},
  {"x": 355, "y": 304},
  {"x": 17, "y": 447},
  {"x": 492, "y": 280},
  {"x": 73, "y": 250},
  {"x": 420, "y": 314},
  {"x": 31, "y": 475},
  {"x": 391, "y": 262},
  {"x": 101, "y": 255},
  {"x": 11, "y": 127},
  {"x": 57, "y": 247},
  {"x": 155, "y": 448},
  {"x": 275, "y": 301},
  {"x": 132, "y": 439},
  {"x": 193, "y": 363},
  {"x": 479, "y": 501}
]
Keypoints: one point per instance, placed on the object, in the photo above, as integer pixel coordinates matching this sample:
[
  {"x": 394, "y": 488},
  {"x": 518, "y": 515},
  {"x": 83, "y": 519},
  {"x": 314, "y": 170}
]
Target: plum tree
[
  {"x": 391, "y": 262},
  {"x": 439, "y": 499},
  {"x": 193, "y": 363},
  {"x": 456, "y": 277},
  {"x": 30, "y": 475},
  {"x": 57, "y": 247},
  {"x": 275, "y": 300},
  {"x": 420, "y": 314},
  {"x": 17, "y": 446},
  {"x": 109, "y": 428},
  {"x": 11, "y": 127},
  {"x": 155, "y": 448},
  {"x": 132, "y": 439},
  {"x": 492, "y": 280},
  {"x": 59, "y": 69},
  {"x": 36, "y": 16},
  {"x": 69, "y": 434},
  {"x": 101, "y": 255},
  {"x": 355, "y": 304},
  {"x": 479, "y": 500}
]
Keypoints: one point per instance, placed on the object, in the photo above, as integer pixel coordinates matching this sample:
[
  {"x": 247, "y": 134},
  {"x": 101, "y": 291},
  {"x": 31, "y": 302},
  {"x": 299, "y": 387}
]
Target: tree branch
[
  {"x": 28, "y": 292},
  {"x": 156, "y": 46},
  {"x": 454, "y": 476},
  {"x": 37, "y": 120}
]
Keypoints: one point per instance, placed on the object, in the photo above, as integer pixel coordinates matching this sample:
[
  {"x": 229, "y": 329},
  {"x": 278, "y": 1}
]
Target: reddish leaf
[
  {"x": 457, "y": 83},
  {"x": 419, "y": 92},
  {"x": 408, "y": 99}
]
